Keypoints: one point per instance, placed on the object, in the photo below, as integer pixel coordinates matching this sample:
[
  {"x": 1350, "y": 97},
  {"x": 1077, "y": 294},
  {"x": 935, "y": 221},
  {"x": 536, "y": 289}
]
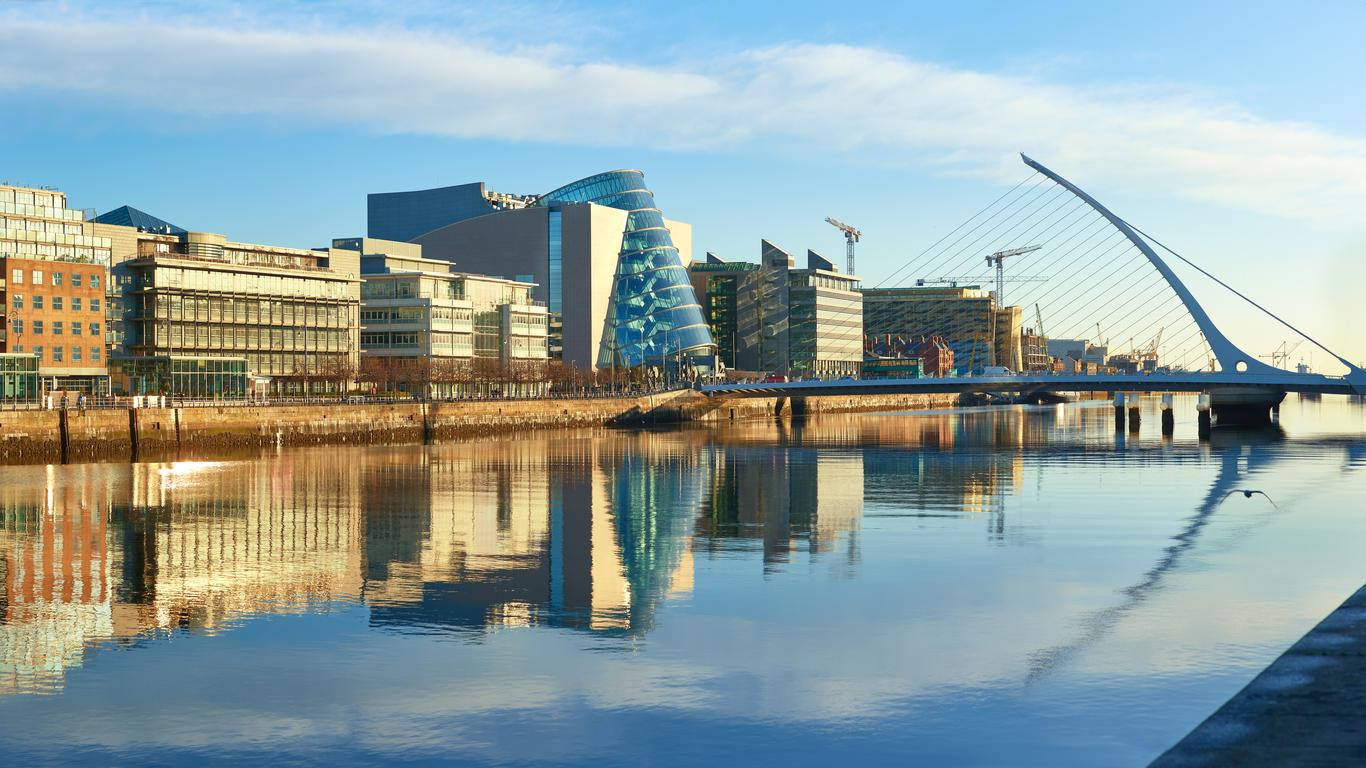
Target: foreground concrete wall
[{"x": 121, "y": 433}]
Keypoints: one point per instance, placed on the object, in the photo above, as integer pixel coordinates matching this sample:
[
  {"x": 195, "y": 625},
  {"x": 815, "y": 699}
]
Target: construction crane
[
  {"x": 977, "y": 280},
  {"x": 998, "y": 258},
  {"x": 1038, "y": 320},
  {"x": 851, "y": 236},
  {"x": 1280, "y": 356},
  {"x": 1150, "y": 351}
]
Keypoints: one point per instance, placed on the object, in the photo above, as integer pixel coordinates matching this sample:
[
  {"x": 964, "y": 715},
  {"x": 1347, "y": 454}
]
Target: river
[{"x": 995, "y": 586}]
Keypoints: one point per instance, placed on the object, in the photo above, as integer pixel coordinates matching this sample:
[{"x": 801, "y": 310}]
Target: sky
[{"x": 1234, "y": 132}]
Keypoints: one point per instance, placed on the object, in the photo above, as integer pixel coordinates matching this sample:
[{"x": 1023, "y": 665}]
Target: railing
[{"x": 172, "y": 401}]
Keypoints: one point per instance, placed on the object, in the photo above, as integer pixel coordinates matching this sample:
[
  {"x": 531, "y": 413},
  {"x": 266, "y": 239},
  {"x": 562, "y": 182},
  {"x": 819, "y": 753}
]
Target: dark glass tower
[{"x": 653, "y": 314}]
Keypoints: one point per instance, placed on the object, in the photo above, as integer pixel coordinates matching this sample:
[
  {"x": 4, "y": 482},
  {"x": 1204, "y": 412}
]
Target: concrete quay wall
[{"x": 120, "y": 433}]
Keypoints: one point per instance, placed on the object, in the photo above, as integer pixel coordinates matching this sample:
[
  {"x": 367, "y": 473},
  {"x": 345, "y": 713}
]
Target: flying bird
[{"x": 1247, "y": 494}]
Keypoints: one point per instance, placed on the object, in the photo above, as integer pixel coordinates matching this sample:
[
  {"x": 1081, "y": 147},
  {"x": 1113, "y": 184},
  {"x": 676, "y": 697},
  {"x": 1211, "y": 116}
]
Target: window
[
  {"x": 56, "y": 302},
  {"x": 18, "y": 301},
  {"x": 56, "y": 327},
  {"x": 75, "y": 329},
  {"x": 94, "y": 305},
  {"x": 18, "y": 347},
  {"x": 56, "y": 278},
  {"x": 17, "y": 277},
  {"x": 37, "y": 277},
  {"x": 38, "y": 327},
  {"x": 94, "y": 329},
  {"x": 37, "y": 302},
  {"x": 38, "y": 352},
  {"x": 75, "y": 303},
  {"x": 94, "y": 354},
  {"x": 75, "y": 279},
  {"x": 94, "y": 281},
  {"x": 56, "y": 354},
  {"x": 18, "y": 325},
  {"x": 75, "y": 354}
]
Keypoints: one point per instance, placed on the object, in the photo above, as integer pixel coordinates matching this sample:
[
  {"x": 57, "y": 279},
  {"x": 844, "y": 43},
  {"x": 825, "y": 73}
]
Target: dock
[{"x": 1307, "y": 709}]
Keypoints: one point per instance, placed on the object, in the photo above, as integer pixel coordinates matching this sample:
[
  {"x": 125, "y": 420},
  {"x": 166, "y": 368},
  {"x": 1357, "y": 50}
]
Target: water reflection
[{"x": 600, "y": 536}]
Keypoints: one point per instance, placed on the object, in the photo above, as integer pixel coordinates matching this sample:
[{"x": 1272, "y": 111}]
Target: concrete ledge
[{"x": 1306, "y": 709}]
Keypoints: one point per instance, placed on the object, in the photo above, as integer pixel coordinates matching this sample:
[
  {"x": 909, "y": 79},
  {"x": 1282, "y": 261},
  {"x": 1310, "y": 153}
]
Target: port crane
[
  {"x": 998, "y": 259},
  {"x": 851, "y": 236},
  {"x": 1280, "y": 356}
]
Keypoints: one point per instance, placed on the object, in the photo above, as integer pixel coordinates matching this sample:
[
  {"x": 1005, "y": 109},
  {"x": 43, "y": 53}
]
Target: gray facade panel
[{"x": 406, "y": 215}]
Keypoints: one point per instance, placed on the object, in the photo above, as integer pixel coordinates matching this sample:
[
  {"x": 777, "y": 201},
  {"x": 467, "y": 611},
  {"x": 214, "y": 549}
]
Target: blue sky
[{"x": 1233, "y": 131}]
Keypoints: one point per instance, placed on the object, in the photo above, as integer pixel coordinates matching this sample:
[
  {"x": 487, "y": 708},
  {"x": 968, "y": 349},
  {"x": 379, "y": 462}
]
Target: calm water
[{"x": 1010, "y": 586}]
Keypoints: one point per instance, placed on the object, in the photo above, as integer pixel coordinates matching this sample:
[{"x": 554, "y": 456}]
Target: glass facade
[
  {"x": 296, "y": 329},
  {"x": 18, "y": 380},
  {"x": 653, "y": 313},
  {"x": 200, "y": 377}
]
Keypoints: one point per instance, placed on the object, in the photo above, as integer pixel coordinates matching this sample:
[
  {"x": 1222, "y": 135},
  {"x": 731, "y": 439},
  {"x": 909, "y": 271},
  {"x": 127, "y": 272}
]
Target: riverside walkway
[{"x": 1307, "y": 709}]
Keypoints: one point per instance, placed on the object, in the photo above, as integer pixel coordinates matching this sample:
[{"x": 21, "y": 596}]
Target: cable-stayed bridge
[{"x": 1092, "y": 271}]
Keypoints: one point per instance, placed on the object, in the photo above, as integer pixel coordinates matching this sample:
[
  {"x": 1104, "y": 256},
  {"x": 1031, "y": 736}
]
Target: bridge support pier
[
  {"x": 1119, "y": 411},
  {"x": 778, "y": 404},
  {"x": 1203, "y": 415},
  {"x": 1245, "y": 406},
  {"x": 798, "y": 406},
  {"x": 1134, "y": 418},
  {"x": 1168, "y": 416}
]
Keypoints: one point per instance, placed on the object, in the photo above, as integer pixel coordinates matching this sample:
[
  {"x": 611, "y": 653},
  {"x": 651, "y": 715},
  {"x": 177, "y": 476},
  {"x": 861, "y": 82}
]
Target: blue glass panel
[{"x": 555, "y": 289}]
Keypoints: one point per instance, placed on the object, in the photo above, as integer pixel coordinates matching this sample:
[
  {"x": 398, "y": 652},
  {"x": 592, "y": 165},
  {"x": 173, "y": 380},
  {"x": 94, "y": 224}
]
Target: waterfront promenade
[
  {"x": 71, "y": 434},
  {"x": 1303, "y": 710}
]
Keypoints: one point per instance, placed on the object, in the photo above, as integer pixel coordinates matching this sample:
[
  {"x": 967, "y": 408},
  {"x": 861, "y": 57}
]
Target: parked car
[{"x": 775, "y": 378}]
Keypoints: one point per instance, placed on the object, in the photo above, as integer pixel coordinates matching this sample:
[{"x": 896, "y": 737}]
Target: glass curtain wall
[{"x": 653, "y": 314}]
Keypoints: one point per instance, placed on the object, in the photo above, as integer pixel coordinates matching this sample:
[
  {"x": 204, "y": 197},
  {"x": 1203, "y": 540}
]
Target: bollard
[
  {"x": 1119, "y": 411},
  {"x": 1168, "y": 416},
  {"x": 1203, "y": 411},
  {"x": 1133, "y": 412}
]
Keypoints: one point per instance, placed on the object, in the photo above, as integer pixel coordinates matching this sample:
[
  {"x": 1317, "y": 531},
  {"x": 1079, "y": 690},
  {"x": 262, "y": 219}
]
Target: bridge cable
[
  {"x": 1240, "y": 295},
  {"x": 960, "y": 226}
]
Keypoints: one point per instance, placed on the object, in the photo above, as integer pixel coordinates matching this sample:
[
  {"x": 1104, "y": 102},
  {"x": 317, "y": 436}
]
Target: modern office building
[
  {"x": 716, "y": 284},
  {"x": 799, "y": 321},
  {"x": 979, "y": 333},
  {"x": 451, "y": 332},
  {"x": 611, "y": 270},
  {"x": 291, "y": 314},
  {"x": 53, "y": 273}
]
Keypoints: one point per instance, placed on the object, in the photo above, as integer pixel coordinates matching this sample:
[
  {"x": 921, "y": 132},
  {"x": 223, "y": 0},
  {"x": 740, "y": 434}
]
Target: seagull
[{"x": 1247, "y": 494}]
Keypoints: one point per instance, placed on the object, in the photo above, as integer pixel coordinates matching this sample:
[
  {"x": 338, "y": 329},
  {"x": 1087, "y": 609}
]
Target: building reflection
[
  {"x": 587, "y": 533},
  {"x": 591, "y": 535}
]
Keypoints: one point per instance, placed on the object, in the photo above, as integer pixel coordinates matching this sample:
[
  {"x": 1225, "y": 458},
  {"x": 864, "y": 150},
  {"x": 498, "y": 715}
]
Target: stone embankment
[{"x": 120, "y": 433}]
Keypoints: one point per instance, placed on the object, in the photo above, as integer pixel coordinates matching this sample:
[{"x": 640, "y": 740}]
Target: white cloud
[{"x": 848, "y": 98}]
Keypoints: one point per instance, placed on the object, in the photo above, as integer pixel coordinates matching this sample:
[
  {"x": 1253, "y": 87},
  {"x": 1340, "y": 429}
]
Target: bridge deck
[{"x": 1151, "y": 382}]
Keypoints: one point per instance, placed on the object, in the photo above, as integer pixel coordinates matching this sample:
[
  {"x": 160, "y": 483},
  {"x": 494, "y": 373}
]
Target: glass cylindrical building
[{"x": 653, "y": 315}]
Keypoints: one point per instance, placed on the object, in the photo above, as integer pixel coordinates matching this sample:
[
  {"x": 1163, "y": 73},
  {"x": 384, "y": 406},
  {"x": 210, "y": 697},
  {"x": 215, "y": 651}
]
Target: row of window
[
  {"x": 36, "y": 278},
  {"x": 38, "y": 225},
  {"x": 243, "y": 311},
  {"x": 58, "y": 354},
  {"x": 180, "y": 337},
  {"x": 57, "y": 327},
  {"x": 76, "y": 304}
]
